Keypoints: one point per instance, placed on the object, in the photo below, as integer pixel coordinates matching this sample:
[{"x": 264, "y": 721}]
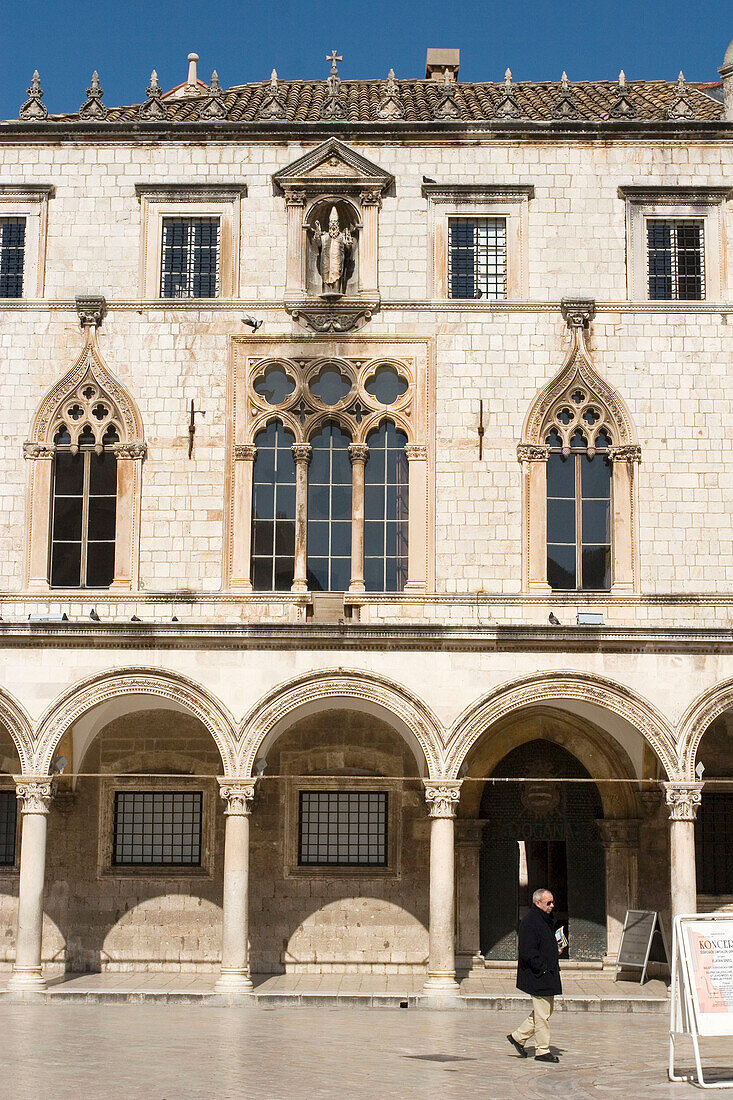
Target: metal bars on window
[
  {"x": 158, "y": 828},
  {"x": 676, "y": 259},
  {"x": 343, "y": 828},
  {"x": 8, "y": 817},
  {"x": 12, "y": 252},
  {"x": 477, "y": 258},
  {"x": 190, "y": 263}
]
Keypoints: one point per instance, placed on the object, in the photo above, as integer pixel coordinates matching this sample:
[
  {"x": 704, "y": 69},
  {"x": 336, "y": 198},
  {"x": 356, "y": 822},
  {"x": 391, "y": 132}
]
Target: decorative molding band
[
  {"x": 683, "y": 800},
  {"x": 442, "y": 796},
  {"x": 675, "y": 196},
  {"x": 26, "y": 192},
  {"x": 238, "y": 796},
  {"x": 477, "y": 192},
  {"x": 35, "y": 793},
  {"x": 191, "y": 192}
]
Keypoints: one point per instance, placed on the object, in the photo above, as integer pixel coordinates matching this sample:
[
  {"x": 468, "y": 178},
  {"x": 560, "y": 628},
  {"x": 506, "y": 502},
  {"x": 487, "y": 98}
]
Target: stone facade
[{"x": 188, "y": 674}]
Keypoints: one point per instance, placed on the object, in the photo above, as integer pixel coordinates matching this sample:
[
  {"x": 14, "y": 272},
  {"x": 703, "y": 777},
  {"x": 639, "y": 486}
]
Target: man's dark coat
[{"x": 538, "y": 968}]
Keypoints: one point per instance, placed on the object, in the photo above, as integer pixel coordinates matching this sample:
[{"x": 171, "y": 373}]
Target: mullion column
[
  {"x": 34, "y": 795},
  {"x": 235, "y": 972},
  {"x": 358, "y": 455},
  {"x": 302, "y": 453}
]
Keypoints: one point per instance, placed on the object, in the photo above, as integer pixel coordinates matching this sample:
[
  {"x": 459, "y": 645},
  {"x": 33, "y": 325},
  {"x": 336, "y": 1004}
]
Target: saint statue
[{"x": 334, "y": 248}]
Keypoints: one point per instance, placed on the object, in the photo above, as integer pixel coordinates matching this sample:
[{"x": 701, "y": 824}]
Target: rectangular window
[
  {"x": 84, "y": 519},
  {"x": 190, "y": 265},
  {"x": 343, "y": 828},
  {"x": 12, "y": 254},
  {"x": 8, "y": 816},
  {"x": 477, "y": 257},
  {"x": 676, "y": 259},
  {"x": 714, "y": 843},
  {"x": 158, "y": 828}
]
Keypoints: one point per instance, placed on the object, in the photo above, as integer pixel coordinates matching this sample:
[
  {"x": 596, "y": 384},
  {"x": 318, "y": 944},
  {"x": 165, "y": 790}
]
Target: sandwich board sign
[
  {"x": 637, "y": 937},
  {"x": 701, "y": 1001}
]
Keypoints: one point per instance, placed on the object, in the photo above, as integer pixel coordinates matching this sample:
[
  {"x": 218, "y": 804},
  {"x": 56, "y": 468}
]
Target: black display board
[{"x": 637, "y": 938}]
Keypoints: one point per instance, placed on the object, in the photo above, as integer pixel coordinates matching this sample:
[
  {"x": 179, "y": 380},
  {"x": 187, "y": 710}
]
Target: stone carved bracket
[
  {"x": 91, "y": 309},
  {"x": 35, "y": 793},
  {"x": 578, "y": 312},
  {"x": 442, "y": 796},
  {"x": 345, "y": 317},
  {"x": 238, "y": 796},
  {"x": 683, "y": 800}
]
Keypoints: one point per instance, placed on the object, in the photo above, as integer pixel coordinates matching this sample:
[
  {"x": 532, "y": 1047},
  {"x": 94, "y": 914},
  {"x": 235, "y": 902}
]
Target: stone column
[
  {"x": 302, "y": 455},
  {"x": 533, "y": 459},
  {"x": 242, "y": 477},
  {"x": 624, "y": 460},
  {"x": 442, "y": 796},
  {"x": 358, "y": 454},
  {"x": 371, "y": 201},
  {"x": 39, "y": 513},
  {"x": 683, "y": 800},
  {"x": 34, "y": 795},
  {"x": 235, "y": 975},
  {"x": 620, "y": 840},
  {"x": 294, "y": 271},
  {"x": 417, "y": 519},
  {"x": 129, "y": 467},
  {"x": 469, "y": 836}
]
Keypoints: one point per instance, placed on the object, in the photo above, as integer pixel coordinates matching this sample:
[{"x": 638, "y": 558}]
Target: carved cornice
[
  {"x": 238, "y": 796},
  {"x": 477, "y": 192},
  {"x": 38, "y": 450},
  {"x": 245, "y": 452},
  {"x": 416, "y": 452},
  {"x": 631, "y": 452},
  {"x": 683, "y": 800},
  {"x": 91, "y": 309},
  {"x": 35, "y": 793},
  {"x": 442, "y": 796},
  {"x": 578, "y": 312},
  {"x": 532, "y": 452},
  {"x": 190, "y": 192},
  {"x": 675, "y": 196},
  {"x": 358, "y": 452},
  {"x": 302, "y": 452},
  {"x": 26, "y": 192},
  {"x": 134, "y": 450}
]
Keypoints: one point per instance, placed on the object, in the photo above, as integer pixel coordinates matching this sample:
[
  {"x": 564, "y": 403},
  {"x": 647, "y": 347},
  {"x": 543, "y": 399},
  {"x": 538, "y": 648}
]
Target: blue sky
[{"x": 125, "y": 39}]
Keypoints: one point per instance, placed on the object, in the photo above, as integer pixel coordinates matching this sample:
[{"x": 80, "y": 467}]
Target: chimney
[
  {"x": 726, "y": 72},
  {"x": 440, "y": 62}
]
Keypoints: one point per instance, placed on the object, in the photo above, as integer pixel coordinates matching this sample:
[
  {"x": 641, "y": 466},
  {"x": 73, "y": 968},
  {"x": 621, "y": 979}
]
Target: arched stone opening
[{"x": 339, "y": 847}]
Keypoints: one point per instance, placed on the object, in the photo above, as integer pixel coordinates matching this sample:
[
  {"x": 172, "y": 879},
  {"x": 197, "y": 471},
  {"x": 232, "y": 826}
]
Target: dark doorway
[{"x": 542, "y": 834}]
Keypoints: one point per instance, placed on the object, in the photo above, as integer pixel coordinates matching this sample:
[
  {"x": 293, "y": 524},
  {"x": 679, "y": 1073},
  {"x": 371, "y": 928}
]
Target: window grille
[
  {"x": 157, "y": 828},
  {"x": 714, "y": 843},
  {"x": 477, "y": 257},
  {"x": 8, "y": 817},
  {"x": 273, "y": 511},
  {"x": 579, "y": 513},
  {"x": 676, "y": 259},
  {"x": 343, "y": 828},
  {"x": 84, "y": 514},
  {"x": 190, "y": 267},
  {"x": 12, "y": 251},
  {"x": 385, "y": 511}
]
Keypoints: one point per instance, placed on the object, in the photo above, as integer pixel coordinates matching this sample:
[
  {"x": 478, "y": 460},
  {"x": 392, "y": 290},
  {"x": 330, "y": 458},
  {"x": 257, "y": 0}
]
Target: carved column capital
[
  {"x": 416, "y": 452},
  {"x": 302, "y": 452},
  {"x": 683, "y": 800},
  {"x": 130, "y": 451},
  {"x": 38, "y": 450},
  {"x": 238, "y": 795},
  {"x": 294, "y": 196},
  {"x": 245, "y": 452},
  {"x": 442, "y": 796},
  {"x": 578, "y": 312},
  {"x": 371, "y": 197},
  {"x": 630, "y": 453},
  {"x": 35, "y": 793},
  {"x": 532, "y": 452},
  {"x": 358, "y": 452},
  {"x": 91, "y": 309},
  {"x": 618, "y": 833}
]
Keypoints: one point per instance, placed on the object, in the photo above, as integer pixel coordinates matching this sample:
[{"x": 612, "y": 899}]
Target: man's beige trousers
[{"x": 537, "y": 1024}]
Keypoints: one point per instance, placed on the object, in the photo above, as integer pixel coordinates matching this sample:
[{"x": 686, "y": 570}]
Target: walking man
[{"x": 538, "y": 973}]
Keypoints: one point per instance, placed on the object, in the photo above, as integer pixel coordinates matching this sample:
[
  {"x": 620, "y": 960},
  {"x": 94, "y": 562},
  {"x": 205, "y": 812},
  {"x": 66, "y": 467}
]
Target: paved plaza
[{"x": 159, "y": 1052}]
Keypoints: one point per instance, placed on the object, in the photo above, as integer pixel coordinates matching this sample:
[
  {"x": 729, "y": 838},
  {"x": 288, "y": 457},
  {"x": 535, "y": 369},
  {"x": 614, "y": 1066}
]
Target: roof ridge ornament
[
  {"x": 93, "y": 109},
  {"x": 681, "y": 107},
  {"x": 390, "y": 103},
  {"x": 622, "y": 107},
  {"x": 508, "y": 107},
  {"x": 272, "y": 105},
  {"x": 447, "y": 106},
  {"x": 333, "y": 105},
  {"x": 565, "y": 105},
  {"x": 213, "y": 107},
  {"x": 153, "y": 107},
  {"x": 34, "y": 110}
]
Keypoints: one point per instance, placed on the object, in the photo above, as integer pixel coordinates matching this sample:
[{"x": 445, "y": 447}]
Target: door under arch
[{"x": 542, "y": 834}]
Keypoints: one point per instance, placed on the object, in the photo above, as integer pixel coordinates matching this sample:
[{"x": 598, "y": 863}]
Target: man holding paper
[{"x": 538, "y": 974}]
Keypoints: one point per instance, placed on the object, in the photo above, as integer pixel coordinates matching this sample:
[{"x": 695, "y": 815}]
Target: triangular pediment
[{"x": 332, "y": 164}]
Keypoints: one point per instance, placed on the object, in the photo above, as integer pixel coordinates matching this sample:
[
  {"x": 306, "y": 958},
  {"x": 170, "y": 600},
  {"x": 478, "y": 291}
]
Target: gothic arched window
[
  {"x": 273, "y": 509},
  {"x": 329, "y": 510},
  {"x": 386, "y": 510}
]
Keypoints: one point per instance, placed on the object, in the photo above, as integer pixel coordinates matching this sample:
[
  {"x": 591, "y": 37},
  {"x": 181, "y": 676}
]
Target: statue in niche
[{"x": 334, "y": 251}]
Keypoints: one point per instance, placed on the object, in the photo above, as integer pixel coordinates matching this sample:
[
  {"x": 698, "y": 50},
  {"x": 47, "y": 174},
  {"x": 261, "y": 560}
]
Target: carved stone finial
[
  {"x": 91, "y": 309},
  {"x": 93, "y": 108},
  {"x": 390, "y": 104},
  {"x": 578, "y": 312},
  {"x": 213, "y": 106},
  {"x": 622, "y": 107},
  {"x": 682, "y": 106},
  {"x": 153, "y": 107},
  {"x": 442, "y": 796},
  {"x": 683, "y": 800},
  {"x": 333, "y": 106},
  {"x": 33, "y": 110},
  {"x": 508, "y": 107},
  {"x": 272, "y": 105},
  {"x": 447, "y": 106},
  {"x": 565, "y": 106}
]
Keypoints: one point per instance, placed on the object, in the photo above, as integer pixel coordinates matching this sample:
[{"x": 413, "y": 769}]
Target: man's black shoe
[
  {"x": 546, "y": 1058},
  {"x": 517, "y": 1046}
]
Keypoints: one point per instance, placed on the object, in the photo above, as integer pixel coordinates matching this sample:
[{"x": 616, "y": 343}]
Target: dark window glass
[
  {"x": 190, "y": 258},
  {"x": 385, "y": 508},
  {"x": 84, "y": 518},
  {"x": 477, "y": 257},
  {"x": 714, "y": 843},
  {"x": 329, "y": 511},
  {"x": 274, "y": 385},
  {"x": 676, "y": 259},
  {"x": 273, "y": 514},
  {"x": 343, "y": 828},
  {"x": 8, "y": 817},
  {"x": 578, "y": 516},
  {"x": 12, "y": 250},
  {"x": 157, "y": 827},
  {"x": 386, "y": 385}
]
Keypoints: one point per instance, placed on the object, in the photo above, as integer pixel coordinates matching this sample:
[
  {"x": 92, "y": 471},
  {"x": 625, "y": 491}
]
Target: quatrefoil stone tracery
[
  {"x": 579, "y": 408},
  {"x": 88, "y": 408}
]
